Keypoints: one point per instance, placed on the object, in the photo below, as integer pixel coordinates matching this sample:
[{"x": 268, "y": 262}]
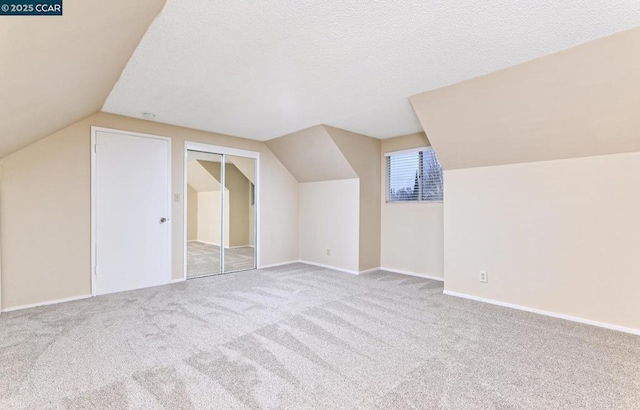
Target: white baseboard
[
  {"x": 352, "y": 272},
  {"x": 206, "y": 242},
  {"x": 50, "y": 302},
  {"x": 218, "y": 245},
  {"x": 419, "y": 275},
  {"x": 273, "y": 265},
  {"x": 545, "y": 313},
  {"x": 321, "y": 265},
  {"x": 177, "y": 280}
]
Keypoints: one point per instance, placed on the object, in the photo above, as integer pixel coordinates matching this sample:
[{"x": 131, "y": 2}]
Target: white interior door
[{"x": 131, "y": 205}]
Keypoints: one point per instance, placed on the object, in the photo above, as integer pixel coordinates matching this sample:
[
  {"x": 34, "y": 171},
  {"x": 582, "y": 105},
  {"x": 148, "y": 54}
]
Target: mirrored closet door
[
  {"x": 220, "y": 213},
  {"x": 239, "y": 215}
]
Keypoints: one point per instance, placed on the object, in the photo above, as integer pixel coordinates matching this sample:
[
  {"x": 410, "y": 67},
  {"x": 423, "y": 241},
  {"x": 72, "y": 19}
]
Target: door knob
[{"x": 163, "y": 220}]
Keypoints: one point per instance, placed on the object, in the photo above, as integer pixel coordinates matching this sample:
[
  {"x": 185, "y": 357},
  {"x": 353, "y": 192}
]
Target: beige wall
[
  {"x": 45, "y": 211},
  {"x": 329, "y": 220},
  {"x": 362, "y": 152},
  {"x": 248, "y": 168},
  {"x": 324, "y": 153},
  {"x": 417, "y": 140},
  {"x": 192, "y": 214},
  {"x": 252, "y": 225},
  {"x": 45, "y": 221},
  {"x": 1, "y": 261},
  {"x": 560, "y": 236},
  {"x": 412, "y": 233},
  {"x": 237, "y": 209},
  {"x": 209, "y": 228}
]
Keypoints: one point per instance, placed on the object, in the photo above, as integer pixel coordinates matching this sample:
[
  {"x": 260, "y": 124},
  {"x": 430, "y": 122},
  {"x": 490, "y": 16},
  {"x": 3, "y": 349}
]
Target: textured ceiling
[
  {"x": 265, "y": 69},
  {"x": 55, "y": 71}
]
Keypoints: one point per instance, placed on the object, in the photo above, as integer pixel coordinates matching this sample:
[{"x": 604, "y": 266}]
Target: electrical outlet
[
  {"x": 328, "y": 252},
  {"x": 484, "y": 276}
]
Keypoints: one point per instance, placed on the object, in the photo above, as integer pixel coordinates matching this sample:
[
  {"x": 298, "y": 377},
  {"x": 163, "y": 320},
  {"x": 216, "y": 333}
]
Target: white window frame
[{"x": 420, "y": 176}]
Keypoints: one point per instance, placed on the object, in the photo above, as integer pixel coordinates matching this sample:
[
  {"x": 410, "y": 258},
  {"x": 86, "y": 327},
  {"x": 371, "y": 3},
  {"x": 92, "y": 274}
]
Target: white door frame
[
  {"x": 94, "y": 131},
  {"x": 216, "y": 149}
]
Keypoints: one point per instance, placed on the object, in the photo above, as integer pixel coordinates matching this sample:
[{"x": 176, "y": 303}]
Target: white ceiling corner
[{"x": 265, "y": 69}]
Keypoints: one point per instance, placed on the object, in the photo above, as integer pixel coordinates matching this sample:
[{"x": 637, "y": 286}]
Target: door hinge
[{"x": 95, "y": 147}]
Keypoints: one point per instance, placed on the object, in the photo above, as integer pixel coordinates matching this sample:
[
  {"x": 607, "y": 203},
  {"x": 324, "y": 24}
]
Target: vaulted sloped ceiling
[
  {"x": 55, "y": 71},
  {"x": 580, "y": 102},
  {"x": 263, "y": 69}
]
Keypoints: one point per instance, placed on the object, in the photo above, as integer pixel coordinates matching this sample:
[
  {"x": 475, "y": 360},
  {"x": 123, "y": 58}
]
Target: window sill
[{"x": 413, "y": 202}]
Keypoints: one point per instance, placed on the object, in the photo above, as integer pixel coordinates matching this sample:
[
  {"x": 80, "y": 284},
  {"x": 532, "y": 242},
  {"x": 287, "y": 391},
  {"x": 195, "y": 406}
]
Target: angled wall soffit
[
  {"x": 214, "y": 171},
  {"x": 62, "y": 69},
  {"x": 361, "y": 151},
  {"x": 200, "y": 178},
  {"x": 580, "y": 102},
  {"x": 311, "y": 155}
]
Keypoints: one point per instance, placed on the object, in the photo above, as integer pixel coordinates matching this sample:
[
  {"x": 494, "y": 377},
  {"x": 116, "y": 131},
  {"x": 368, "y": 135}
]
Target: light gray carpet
[
  {"x": 303, "y": 337},
  {"x": 204, "y": 259}
]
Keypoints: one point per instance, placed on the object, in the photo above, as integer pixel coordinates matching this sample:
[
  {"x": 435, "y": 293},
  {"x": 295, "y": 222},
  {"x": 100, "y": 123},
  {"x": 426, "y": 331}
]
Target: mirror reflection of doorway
[{"x": 221, "y": 213}]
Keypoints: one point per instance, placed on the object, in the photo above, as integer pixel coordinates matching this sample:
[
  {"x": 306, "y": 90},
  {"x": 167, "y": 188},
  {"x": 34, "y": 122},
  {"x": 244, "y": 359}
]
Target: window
[{"x": 413, "y": 175}]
